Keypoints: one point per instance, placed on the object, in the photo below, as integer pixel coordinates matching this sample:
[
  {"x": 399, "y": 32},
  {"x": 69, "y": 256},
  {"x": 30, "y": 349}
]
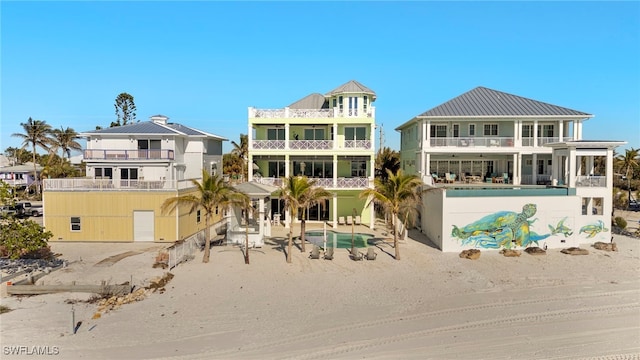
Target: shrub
[
  {"x": 621, "y": 222},
  {"x": 22, "y": 238}
]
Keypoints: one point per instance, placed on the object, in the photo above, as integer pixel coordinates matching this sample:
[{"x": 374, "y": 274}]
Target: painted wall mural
[
  {"x": 506, "y": 229},
  {"x": 593, "y": 229}
]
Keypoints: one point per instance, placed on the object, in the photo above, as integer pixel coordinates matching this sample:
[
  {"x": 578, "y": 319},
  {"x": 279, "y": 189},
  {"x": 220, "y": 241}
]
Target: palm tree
[
  {"x": 386, "y": 159},
  {"x": 242, "y": 151},
  {"x": 211, "y": 192},
  {"x": 299, "y": 193},
  {"x": 628, "y": 163},
  {"x": 65, "y": 139},
  {"x": 399, "y": 194},
  {"x": 36, "y": 133}
]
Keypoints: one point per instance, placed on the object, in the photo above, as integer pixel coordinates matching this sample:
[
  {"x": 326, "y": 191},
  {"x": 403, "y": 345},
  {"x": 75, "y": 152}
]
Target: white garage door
[{"x": 143, "y": 224}]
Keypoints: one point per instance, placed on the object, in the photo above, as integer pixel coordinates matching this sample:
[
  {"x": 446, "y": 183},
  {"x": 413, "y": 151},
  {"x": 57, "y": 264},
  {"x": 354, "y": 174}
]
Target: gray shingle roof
[
  {"x": 312, "y": 101},
  {"x": 482, "y": 101},
  {"x": 351, "y": 87}
]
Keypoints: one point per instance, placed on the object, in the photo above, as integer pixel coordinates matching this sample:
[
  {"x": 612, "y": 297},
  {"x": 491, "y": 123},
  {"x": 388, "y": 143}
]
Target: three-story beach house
[
  {"x": 503, "y": 171},
  {"x": 328, "y": 138},
  {"x": 131, "y": 170}
]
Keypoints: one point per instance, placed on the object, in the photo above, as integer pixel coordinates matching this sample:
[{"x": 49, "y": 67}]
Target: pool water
[{"x": 337, "y": 239}]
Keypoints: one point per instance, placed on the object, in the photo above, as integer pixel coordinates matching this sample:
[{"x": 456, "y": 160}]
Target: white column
[
  {"x": 335, "y": 171},
  {"x": 287, "y": 171},
  {"x": 286, "y": 136},
  {"x": 516, "y": 133},
  {"x": 560, "y": 130},
  {"x": 335, "y": 134},
  {"x": 250, "y": 169},
  {"x": 534, "y": 169},
  {"x": 372, "y": 215},
  {"x": 428, "y": 137},
  {"x": 535, "y": 133},
  {"x": 425, "y": 133},
  {"x": 517, "y": 169},
  {"x": 609, "y": 171},
  {"x": 427, "y": 163},
  {"x": 579, "y": 130},
  {"x": 420, "y": 164},
  {"x": 260, "y": 219},
  {"x": 373, "y": 137},
  {"x": 571, "y": 181},
  {"x": 372, "y": 170},
  {"x": 249, "y": 137}
]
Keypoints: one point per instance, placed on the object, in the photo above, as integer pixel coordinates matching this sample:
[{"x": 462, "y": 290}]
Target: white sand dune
[{"x": 429, "y": 305}]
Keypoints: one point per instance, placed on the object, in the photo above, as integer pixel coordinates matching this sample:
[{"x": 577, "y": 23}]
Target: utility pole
[{"x": 381, "y": 136}]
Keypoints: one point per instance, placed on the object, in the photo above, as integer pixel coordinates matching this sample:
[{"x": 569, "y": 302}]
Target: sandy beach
[{"x": 429, "y": 305}]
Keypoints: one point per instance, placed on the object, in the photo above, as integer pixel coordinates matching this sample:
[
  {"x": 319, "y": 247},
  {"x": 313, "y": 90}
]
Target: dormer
[{"x": 159, "y": 119}]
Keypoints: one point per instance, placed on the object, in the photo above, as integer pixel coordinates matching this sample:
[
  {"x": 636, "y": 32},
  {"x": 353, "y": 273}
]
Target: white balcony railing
[
  {"x": 327, "y": 183},
  {"x": 122, "y": 154},
  {"x": 357, "y": 144},
  {"x": 310, "y": 144},
  {"x": 541, "y": 179},
  {"x": 311, "y": 113},
  {"x": 528, "y": 141},
  {"x": 472, "y": 142},
  {"x": 86, "y": 184},
  {"x": 268, "y": 144}
]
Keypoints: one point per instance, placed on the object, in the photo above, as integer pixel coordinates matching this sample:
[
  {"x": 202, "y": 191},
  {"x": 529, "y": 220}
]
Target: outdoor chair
[
  {"x": 349, "y": 220},
  {"x": 371, "y": 254},
  {"x": 328, "y": 253},
  {"x": 315, "y": 252},
  {"x": 358, "y": 220},
  {"x": 340, "y": 220},
  {"x": 355, "y": 254}
]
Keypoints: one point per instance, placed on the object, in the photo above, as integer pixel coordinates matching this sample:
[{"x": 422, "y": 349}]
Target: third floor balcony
[
  {"x": 493, "y": 141},
  {"x": 310, "y": 144},
  {"x": 369, "y": 112},
  {"x": 128, "y": 155}
]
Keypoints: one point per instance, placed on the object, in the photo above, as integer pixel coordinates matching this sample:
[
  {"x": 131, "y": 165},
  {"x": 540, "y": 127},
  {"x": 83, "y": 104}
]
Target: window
[
  {"x": 490, "y": 129},
  {"x": 149, "y": 148},
  {"x": 456, "y": 130},
  {"x": 438, "y": 130},
  {"x": 358, "y": 168},
  {"x": 545, "y": 130},
  {"x": 353, "y": 106},
  {"x": 528, "y": 162},
  {"x": 75, "y": 223},
  {"x": 335, "y": 102},
  {"x": 276, "y": 169},
  {"x": 275, "y": 134},
  {"x": 340, "y": 103},
  {"x": 472, "y": 129},
  {"x": 103, "y": 173},
  {"x": 198, "y": 217},
  {"x": 527, "y": 131},
  {"x": 597, "y": 206},
  {"x": 540, "y": 167},
  {"x": 355, "y": 133},
  {"x": 314, "y": 134},
  {"x": 364, "y": 103}
]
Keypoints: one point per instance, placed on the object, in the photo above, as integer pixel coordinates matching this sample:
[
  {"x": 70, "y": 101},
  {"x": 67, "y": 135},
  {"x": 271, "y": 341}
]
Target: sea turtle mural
[
  {"x": 506, "y": 229},
  {"x": 593, "y": 229}
]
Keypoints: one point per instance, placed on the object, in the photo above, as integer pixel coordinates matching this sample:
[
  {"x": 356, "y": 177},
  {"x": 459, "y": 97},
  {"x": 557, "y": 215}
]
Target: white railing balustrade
[
  {"x": 323, "y": 182},
  {"x": 357, "y": 144},
  {"x": 122, "y": 154},
  {"x": 352, "y": 183},
  {"x": 310, "y": 144},
  {"x": 79, "y": 184},
  {"x": 472, "y": 141},
  {"x": 277, "y": 182},
  {"x": 311, "y": 113},
  {"x": 268, "y": 144},
  {"x": 269, "y": 113}
]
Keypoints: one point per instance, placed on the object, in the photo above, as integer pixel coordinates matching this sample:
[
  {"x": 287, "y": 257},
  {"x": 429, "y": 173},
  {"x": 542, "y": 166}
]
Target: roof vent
[{"x": 159, "y": 119}]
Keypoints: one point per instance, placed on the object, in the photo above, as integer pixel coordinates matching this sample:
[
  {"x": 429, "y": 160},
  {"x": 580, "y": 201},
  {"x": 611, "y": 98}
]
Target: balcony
[
  {"x": 591, "y": 181},
  {"x": 308, "y": 144},
  {"x": 87, "y": 184},
  {"x": 310, "y": 113},
  {"x": 544, "y": 140},
  {"x": 327, "y": 183},
  {"x": 472, "y": 142},
  {"x": 128, "y": 155}
]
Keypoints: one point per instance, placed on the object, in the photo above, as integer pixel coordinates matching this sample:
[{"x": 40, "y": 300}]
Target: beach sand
[{"x": 429, "y": 305}]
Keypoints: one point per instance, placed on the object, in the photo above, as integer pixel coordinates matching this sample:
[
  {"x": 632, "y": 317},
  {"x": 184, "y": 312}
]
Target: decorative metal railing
[
  {"x": 328, "y": 183},
  {"x": 357, "y": 144},
  {"x": 352, "y": 183},
  {"x": 268, "y": 144},
  {"x": 121, "y": 154},
  {"x": 310, "y": 144}
]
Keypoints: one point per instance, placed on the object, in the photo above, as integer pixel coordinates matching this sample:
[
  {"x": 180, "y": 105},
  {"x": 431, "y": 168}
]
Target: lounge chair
[
  {"x": 355, "y": 254},
  {"x": 371, "y": 254},
  {"x": 358, "y": 220},
  {"x": 340, "y": 220},
  {"x": 328, "y": 253},
  {"x": 349, "y": 220},
  {"x": 315, "y": 252}
]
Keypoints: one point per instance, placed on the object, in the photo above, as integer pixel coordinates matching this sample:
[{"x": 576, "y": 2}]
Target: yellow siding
[{"x": 108, "y": 216}]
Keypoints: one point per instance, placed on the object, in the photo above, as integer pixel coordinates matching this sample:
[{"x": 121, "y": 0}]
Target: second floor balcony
[
  {"x": 309, "y": 144},
  {"x": 327, "y": 183},
  {"x": 124, "y": 155},
  {"x": 89, "y": 184},
  {"x": 494, "y": 141},
  {"x": 311, "y": 113}
]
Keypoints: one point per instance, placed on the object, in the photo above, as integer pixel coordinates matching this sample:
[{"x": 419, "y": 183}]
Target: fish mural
[
  {"x": 593, "y": 229},
  {"x": 506, "y": 229}
]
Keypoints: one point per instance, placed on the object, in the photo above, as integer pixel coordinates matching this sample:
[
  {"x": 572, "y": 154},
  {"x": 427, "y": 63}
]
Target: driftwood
[
  {"x": 48, "y": 289},
  {"x": 535, "y": 251},
  {"x": 471, "y": 254},
  {"x": 575, "y": 251},
  {"x": 606, "y": 246}
]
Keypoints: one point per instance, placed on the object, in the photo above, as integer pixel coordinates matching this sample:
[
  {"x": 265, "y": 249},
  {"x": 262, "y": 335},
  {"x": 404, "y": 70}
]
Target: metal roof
[
  {"x": 151, "y": 127},
  {"x": 255, "y": 189},
  {"x": 311, "y": 101},
  {"x": 482, "y": 101},
  {"x": 351, "y": 87}
]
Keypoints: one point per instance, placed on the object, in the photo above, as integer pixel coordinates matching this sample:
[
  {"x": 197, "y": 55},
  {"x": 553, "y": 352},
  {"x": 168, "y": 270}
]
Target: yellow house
[{"x": 131, "y": 171}]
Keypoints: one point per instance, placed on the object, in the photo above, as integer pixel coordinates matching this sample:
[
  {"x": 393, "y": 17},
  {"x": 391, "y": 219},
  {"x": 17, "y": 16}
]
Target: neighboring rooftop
[
  {"x": 156, "y": 126},
  {"x": 312, "y": 101},
  {"x": 482, "y": 101},
  {"x": 351, "y": 87}
]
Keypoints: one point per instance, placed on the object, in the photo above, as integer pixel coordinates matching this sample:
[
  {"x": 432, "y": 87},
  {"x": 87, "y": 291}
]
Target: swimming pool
[{"x": 337, "y": 239}]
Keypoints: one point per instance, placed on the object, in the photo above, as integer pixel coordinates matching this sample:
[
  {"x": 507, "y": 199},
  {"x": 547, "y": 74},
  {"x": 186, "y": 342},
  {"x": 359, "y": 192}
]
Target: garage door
[{"x": 143, "y": 224}]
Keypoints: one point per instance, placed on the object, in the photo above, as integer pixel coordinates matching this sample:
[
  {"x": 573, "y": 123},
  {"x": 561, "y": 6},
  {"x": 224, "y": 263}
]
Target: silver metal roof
[
  {"x": 255, "y": 189},
  {"x": 482, "y": 101},
  {"x": 351, "y": 87},
  {"x": 151, "y": 127},
  {"x": 312, "y": 101}
]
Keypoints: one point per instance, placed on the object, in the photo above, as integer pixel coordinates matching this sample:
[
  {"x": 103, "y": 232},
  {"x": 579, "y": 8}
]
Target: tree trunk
[
  {"x": 290, "y": 243},
  {"x": 207, "y": 242},
  {"x": 395, "y": 236},
  {"x": 35, "y": 171},
  {"x": 302, "y": 229}
]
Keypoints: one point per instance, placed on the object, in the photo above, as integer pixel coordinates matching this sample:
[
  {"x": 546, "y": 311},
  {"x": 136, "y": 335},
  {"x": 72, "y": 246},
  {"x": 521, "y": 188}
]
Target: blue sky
[{"x": 203, "y": 63}]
